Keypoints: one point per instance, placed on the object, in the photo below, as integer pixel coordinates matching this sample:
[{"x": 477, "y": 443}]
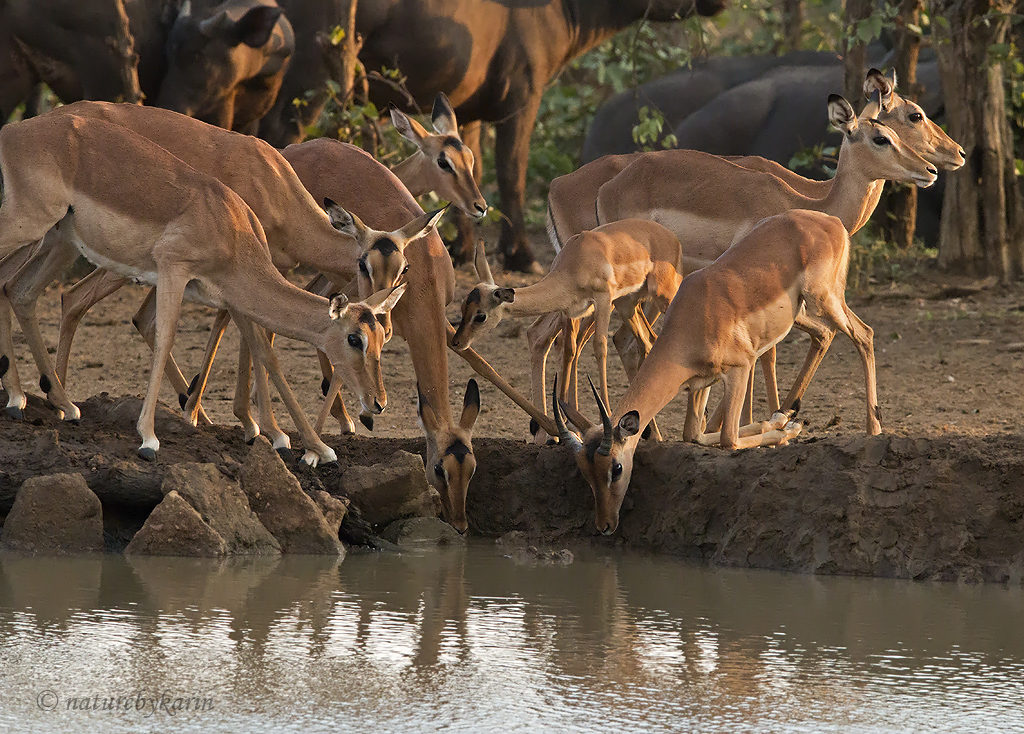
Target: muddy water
[{"x": 471, "y": 640}]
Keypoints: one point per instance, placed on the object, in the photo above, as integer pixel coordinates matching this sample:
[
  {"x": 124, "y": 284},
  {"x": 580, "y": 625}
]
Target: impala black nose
[
  {"x": 933, "y": 170},
  {"x": 963, "y": 153},
  {"x": 481, "y": 209},
  {"x": 377, "y": 407}
]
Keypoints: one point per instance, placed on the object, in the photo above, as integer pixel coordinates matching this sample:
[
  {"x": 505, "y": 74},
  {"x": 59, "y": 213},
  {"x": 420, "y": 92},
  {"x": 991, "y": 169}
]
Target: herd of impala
[{"x": 733, "y": 251}]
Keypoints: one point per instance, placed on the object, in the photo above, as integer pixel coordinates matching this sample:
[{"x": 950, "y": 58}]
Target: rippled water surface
[{"x": 469, "y": 640}]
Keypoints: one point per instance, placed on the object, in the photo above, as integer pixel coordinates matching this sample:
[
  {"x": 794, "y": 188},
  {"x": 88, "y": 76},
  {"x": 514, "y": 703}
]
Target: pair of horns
[{"x": 568, "y": 437}]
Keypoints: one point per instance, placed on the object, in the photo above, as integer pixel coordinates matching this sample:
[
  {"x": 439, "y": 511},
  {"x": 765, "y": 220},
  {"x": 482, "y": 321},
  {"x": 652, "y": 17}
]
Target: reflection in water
[{"x": 469, "y": 640}]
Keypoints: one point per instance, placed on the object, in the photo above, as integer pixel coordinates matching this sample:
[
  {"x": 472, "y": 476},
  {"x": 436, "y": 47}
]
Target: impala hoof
[
  {"x": 367, "y": 420},
  {"x": 251, "y": 441},
  {"x": 534, "y": 426},
  {"x": 286, "y": 454},
  {"x": 15, "y": 413},
  {"x": 192, "y": 386},
  {"x": 325, "y": 385},
  {"x": 147, "y": 454},
  {"x": 182, "y": 400},
  {"x": 74, "y": 421}
]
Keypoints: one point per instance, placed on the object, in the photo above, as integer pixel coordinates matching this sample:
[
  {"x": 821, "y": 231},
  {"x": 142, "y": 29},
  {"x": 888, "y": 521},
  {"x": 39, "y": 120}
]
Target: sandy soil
[{"x": 948, "y": 359}]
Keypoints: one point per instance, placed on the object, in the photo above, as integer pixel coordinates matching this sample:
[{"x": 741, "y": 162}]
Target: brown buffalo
[{"x": 492, "y": 58}]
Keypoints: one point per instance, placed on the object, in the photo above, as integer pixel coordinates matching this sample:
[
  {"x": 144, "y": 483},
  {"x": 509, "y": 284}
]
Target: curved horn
[
  {"x": 566, "y": 436},
  {"x": 606, "y": 442}
]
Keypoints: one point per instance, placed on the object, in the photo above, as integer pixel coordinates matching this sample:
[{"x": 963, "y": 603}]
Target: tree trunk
[
  {"x": 982, "y": 214},
  {"x": 896, "y": 215},
  {"x": 854, "y": 62},
  {"x": 792, "y": 23}
]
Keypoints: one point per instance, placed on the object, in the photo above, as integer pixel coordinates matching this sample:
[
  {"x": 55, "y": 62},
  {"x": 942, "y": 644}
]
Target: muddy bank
[{"x": 947, "y": 508}]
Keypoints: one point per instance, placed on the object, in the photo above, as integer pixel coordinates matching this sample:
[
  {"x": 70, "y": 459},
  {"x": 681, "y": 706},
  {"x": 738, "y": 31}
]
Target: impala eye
[
  {"x": 881, "y": 140},
  {"x": 480, "y": 318},
  {"x": 405, "y": 270},
  {"x": 354, "y": 341},
  {"x": 439, "y": 470},
  {"x": 915, "y": 117},
  {"x": 616, "y": 470},
  {"x": 444, "y": 165}
]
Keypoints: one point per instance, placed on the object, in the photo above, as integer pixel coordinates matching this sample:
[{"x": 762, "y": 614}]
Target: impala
[
  {"x": 186, "y": 233},
  {"x": 789, "y": 268}
]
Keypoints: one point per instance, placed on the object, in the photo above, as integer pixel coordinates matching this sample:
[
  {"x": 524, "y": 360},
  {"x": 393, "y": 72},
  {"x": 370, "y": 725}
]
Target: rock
[
  {"x": 174, "y": 528},
  {"x": 333, "y": 508},
  {"x": 412, "y": 531},
  {"x": 285, "y": 510},
  {"x": 391, "y": 490},
  {"x": 223, "y": 506},
  {"x": 57, "y": 513},
  {"x": 548, "y": 556}
]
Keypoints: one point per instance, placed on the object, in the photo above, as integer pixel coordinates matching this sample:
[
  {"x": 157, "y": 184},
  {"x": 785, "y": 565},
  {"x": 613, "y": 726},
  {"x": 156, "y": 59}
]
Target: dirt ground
[{"x": 948, "y": 357}]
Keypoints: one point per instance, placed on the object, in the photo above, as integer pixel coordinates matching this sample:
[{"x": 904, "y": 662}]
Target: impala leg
[
  {"x": 268, "y": 421},
  {"x": 243, "y": 391},
  {"x": 716, "y": 421},
  {"x": 771, "y": 384},
  {"x": 634, "y": 335},
  {"x": 863, "y": 337},
  {"x": 540, "y": 336},
  {"x": 316, "y": 450},
  {"x": 735, "y": 381},
  {"x": 586, "y": 331},
  {"x": 191, "y": 407},
  {"x": 602, "y": 322},
  {"x": 75, "y": 302},
  {"x": 567, "y": 377},
  {"x": 144, "y": 321},
  {"x": 52, "y": 258},
  {"x": 16, "y": 398},
  {"x": 769, "y": 433},
  {"x": 747, "y": 415},
  {"x": 169, "y": 292},
  {"x": 337, "y": 406},
  {"x": 697, "y": 403},
  {"x": 821, "y": 339}
]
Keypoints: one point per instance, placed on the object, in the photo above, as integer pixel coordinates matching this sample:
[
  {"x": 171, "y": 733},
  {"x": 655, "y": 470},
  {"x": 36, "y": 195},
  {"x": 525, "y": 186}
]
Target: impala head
[
  {"x": 207, "y": 58},
  {"x": 382, "y": 254},
  {"x": 910, "y": 122},
  {"x": 875, "y": 150},
  {"x": 604, "y": 455},
  {"x": 353, "y": 345},
  {"x": 448, "y": 161},
  {"x": 450, "y": 459},
  {"x": 485, "y": 304}
]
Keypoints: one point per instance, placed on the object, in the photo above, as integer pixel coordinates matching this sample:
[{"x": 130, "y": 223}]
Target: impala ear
[
  {"x": 505, "y": 295},
  {"x": 483, "y": 270},
  {"x": 407, "y": 127},
  {"x": 343, "y": 220},
  {"x": 629, "y": 425},
  {"x": 393, "y": 296},
  {"x": 877, "y": 82},
  {"x": 420, "y": 226},
  {"x": 470, "y": 406},
  {"x": 339, "y": 302},
  {"x": 841, "y": 114},
  {"x": 443, "y": 116}
]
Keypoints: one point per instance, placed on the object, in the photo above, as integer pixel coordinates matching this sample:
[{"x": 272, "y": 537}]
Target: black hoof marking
[
  {"x": 286, "y": 454},
  {"x": 147, "y": 454},
  {"x": 251, "y": 441},
  {"x": 878, "y": 413},
  {"x": 367, "y": 420},
  {"x": 75, "y": 421},
  {"x": 15, "y": 413},
  {"x": 647, "y": 432},
  {"x": 325, "y": 385},
  {"x": 4, "y": 365},
  {"x": 44, "y": 383},
  {"x": 534, "y": 426},
  {"x": 192, "y": 385},
  {"x": 796, "y": 408},
  {"x": 182, "y": 400},
  {"x": 551, "y": 442}
]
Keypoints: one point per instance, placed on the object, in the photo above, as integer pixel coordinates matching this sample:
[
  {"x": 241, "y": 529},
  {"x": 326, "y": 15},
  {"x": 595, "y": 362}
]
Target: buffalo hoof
[{"x": 147, "y": 454}]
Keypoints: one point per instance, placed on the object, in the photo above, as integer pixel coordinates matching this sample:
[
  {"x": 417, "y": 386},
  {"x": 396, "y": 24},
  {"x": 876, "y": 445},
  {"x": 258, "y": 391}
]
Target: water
[{"x": 468, "y": 640}]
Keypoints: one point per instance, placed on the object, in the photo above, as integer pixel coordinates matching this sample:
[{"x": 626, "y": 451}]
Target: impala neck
[
  {"x": 656, "y": 383},
  {"x": 265, "y": 296},
  {"x": 549, "y": 294},
  {"x": 853, "y": 195},
  {"x": 312, "y": 241},
  {"x": 415, "y": 173}
]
